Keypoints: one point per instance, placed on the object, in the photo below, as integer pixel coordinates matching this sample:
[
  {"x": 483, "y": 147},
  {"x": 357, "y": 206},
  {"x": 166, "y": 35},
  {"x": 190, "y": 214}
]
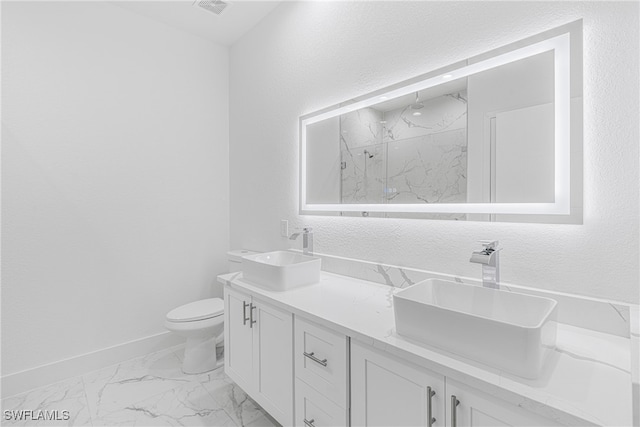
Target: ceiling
[
  {"x": 424, "y": 95},
  {"x": 225, "y": 29}
]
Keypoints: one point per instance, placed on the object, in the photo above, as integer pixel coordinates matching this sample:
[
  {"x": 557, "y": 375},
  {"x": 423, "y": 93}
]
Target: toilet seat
[{"x": 197, "y": 310}]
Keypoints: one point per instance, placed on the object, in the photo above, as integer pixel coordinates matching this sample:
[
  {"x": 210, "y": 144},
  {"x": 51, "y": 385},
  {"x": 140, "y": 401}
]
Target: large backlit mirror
[{"x": 495, "y": 137}]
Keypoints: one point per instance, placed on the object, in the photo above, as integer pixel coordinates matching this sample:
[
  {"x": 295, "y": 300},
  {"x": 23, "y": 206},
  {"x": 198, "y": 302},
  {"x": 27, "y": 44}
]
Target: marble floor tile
[
  {"x": 67, "y": 395},
  {"x": 113, "y": 388},
  {"x": 214, "y": 381},
  {"x": 147, "y": 391},
  {"x": 187, "y": 405},
  {"x": 240, "y": 407}
]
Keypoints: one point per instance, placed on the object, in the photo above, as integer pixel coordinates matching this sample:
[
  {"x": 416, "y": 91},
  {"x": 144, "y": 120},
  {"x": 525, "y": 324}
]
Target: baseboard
[{"x": 29, "y": 379}]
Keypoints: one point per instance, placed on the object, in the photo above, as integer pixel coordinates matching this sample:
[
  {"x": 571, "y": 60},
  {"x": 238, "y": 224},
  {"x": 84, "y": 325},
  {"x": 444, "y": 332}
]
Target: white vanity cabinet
[
  {"x": 386, "y": 391},
  {"x": 314, "y": 409},
  {"x": 259, "y": 352},
  {"x": 322, "y": 356},
  {"x": 475, "y": 408},
  {"x": 321, "y": 359}
]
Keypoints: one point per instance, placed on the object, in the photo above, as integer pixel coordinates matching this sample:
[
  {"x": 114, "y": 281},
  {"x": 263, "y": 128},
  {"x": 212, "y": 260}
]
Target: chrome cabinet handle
[
  {"x": 454, "y": 402},
  {"x": 430, "y": 419},
  {"x": 309, "y": 423},
  {"x": 244, "y": 313},
  {"x": 311, "y": 356},
  {"x": 251, "y": 321}
]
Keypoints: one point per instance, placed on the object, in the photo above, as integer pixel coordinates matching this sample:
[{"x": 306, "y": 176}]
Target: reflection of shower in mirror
[{"x": 417, "y": 105}]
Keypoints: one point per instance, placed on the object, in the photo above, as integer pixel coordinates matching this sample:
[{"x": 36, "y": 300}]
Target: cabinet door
[
  {"x": 477, "y": 409},
  {"x": 386, "y": 391},
  {"x": 273, "y": 360},
  {"x": 238, "y": 358},
  {"x": 315, "y": 410}
]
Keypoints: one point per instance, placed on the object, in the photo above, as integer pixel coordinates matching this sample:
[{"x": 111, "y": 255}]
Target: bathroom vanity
[{"x": 328, "y": 354}]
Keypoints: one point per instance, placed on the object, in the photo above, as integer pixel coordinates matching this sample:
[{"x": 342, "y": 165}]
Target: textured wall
[
  {"x": 307, "y": 56},
  {"x": 114, "y": 177}
]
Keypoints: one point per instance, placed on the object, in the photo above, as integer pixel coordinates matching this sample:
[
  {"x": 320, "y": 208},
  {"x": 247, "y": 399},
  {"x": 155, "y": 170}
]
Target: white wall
[
  {"x": 114, "y": 177},
  {"x": 307, "y": 56}
]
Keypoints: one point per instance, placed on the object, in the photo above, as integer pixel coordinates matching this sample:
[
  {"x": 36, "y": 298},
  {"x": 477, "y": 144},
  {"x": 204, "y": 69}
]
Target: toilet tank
[{"x": 234, "y": 258}]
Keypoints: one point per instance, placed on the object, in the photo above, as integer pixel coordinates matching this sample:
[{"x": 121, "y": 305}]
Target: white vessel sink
[
  {"x": 509, "y": 331},
  {"x": 281, "y": 270}
]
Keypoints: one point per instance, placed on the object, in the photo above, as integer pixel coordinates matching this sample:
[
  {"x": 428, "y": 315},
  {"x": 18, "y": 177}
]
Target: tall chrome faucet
[
  {"x": 307, "y": 240},
  {"x": 489, "y": 257}
]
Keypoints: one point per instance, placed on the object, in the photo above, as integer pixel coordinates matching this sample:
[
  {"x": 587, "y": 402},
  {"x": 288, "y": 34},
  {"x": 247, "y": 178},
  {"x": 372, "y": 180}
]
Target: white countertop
[{"x": 587, "y": 380}]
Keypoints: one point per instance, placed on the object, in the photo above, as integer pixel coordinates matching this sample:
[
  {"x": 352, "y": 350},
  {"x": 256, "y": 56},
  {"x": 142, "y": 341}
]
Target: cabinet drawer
[
  {"x": 316, "y": 409},
  {"x": 321, "y": 360}
]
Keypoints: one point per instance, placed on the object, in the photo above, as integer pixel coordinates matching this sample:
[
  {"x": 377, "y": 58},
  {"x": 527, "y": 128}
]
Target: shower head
[
  {"x": 418, "y": 105},
  {"x": 368, "y": 154}
]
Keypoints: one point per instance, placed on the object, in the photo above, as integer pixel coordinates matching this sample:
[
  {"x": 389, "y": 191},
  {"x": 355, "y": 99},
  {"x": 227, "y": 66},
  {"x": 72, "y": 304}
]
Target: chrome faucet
[
  {"x": 489, "y": 257},
  {"x": 307, "y": 240}
]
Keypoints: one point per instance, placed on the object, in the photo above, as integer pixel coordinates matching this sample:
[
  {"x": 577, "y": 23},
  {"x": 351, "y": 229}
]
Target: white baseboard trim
[{"x": 39, "y": 376}]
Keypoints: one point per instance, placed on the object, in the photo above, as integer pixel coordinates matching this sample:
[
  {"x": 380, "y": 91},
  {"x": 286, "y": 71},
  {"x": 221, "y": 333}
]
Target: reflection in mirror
[
  {"x": 511, "y": 128},
  {"x": 485, "y": 138},
  {"x": 411, "y": 149}
]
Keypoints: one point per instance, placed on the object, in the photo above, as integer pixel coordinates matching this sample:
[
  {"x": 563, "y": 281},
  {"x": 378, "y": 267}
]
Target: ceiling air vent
[{"x": 214, "y": 6}]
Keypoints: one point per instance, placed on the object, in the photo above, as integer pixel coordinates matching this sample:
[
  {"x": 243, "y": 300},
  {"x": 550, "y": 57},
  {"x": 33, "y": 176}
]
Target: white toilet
[{"x": 202, "y": 323}]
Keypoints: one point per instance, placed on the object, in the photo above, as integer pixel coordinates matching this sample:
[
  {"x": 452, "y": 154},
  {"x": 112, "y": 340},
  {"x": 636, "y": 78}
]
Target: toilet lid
[{"x": 197, "y": 310}]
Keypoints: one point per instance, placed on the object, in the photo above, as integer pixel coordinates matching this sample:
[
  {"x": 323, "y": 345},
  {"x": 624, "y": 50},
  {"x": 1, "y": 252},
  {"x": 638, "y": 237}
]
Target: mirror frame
[{"x": 560, "y": 40}]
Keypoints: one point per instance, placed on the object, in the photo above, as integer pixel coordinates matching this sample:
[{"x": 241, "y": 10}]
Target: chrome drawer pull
[
  {"x": 430, "y": 419},
  {"x": 244, "y": 313},
  {"x": 454, "y": 402},
  {"x": 311, "y": 356},
  {"x": 309, "y": 423}
]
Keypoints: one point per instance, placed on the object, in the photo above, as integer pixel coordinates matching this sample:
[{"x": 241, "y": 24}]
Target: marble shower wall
[
  {"x": 406, "y": 155},
  {"x": 360, "y": 128},
  {"x": 442, "y": 113},
  {"x": 363, "y": 174},
  {"x": 363, "y": 156},
  {"x": 428, "y": 169}
]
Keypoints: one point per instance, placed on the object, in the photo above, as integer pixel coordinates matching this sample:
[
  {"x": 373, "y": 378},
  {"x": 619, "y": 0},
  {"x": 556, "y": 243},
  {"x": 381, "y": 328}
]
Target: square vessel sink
[
  {"x": 506, "y": 330},
  {"x": 281, "y": 270}
]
